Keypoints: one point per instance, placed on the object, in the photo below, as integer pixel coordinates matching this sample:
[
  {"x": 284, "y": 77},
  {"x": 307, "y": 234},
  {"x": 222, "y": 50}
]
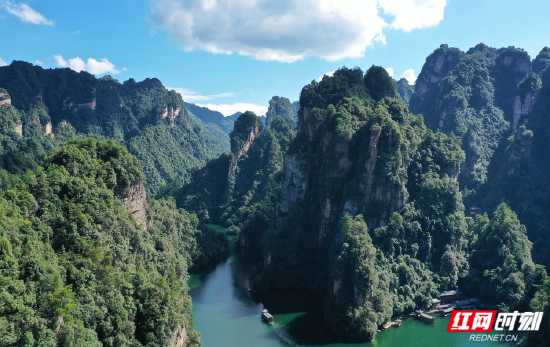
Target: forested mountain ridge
[
  {"x": 240, "y": 190},
  {"x": 150, "y": 120},
  {"x": 405, "y": 90},
  {"x": 497, "y": 101},
  {"x": 371, "y": 217},
  {"x": 472, "y": 95},
  {"x": 76, "y": 269},
  {"x": 359, "y": 152},
  {"x": 280, "y": 106}
]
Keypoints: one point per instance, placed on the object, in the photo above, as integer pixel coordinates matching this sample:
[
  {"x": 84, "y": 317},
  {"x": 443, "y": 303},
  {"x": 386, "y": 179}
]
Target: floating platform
[{"x": 267, "y": 317}]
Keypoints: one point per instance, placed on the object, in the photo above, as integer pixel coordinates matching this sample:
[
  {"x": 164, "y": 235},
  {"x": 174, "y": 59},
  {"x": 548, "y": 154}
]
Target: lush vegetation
[
  {"x": 77, "y": 270},
  {"x": 240, "y": 190},
  {"x": 362, "y": 153},
  {"x": 144, "y": 116},
  {"x": 279, "y": 106},
  {"x": 405, "y": 90},
  {"x": 346, "y": 192},
  {"x": 364, "y": 209},
  {"x": 497, "y": 101}
]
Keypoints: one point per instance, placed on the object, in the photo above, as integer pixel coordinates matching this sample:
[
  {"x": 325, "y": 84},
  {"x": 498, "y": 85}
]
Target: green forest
[{"x": 373, "y": 194}]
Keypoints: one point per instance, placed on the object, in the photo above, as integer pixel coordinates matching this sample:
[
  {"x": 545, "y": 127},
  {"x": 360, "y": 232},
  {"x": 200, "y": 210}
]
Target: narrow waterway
[{"x": 228, "y": 315}]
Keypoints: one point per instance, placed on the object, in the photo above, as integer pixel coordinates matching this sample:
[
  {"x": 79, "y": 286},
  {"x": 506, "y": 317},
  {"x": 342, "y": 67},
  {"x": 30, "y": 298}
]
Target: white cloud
[
  {"x": 390, "y": 71},
  {"x": 92, "y": 66},
  {"x": 228, "y": 110},
  {"x": 409, "y": 76},
  {"x": 26, "y": 13},
  {"x": 329, "y": 74},
  {"x": 414, "y": 14},
  {"x": 191, "y": 96},
  {"x": 288, "y": 30},
  {"x": 38, "y": 62},
  {"x": 100, "y": 67},
  {"x": 3, "y": 63}
]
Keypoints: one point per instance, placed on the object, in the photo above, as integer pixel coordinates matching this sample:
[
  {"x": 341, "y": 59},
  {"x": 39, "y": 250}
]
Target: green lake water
[{"x": 228, "y": 315}]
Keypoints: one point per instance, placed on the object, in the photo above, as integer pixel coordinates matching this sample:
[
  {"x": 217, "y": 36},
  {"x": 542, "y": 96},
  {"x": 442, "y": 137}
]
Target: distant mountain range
[{"x": 215, "y": 117}]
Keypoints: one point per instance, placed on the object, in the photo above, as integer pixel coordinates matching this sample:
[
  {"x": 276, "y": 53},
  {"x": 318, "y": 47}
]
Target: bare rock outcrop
[
  {"x": 69, "y": 104},
  {"x": 247, "y": 145},
  {"x": 437, "y": 66},
  {"x": 48, "y": 131},
  {"x": 295, "y": 182},
  {"x": 19, "y": 128},
  {"x": 135, "y": 202},
  {"x": 179, "y": 336},
  {"x": 4, "y": 99},
  {"x": 170, "y": 113}
]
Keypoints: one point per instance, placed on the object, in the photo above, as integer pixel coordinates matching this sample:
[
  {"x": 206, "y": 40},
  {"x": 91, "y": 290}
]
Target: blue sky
[{"x": 236, "y": 54}]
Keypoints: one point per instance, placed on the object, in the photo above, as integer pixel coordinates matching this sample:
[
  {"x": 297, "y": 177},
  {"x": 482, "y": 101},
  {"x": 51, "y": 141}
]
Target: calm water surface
[{"x": 228, "y": 315}]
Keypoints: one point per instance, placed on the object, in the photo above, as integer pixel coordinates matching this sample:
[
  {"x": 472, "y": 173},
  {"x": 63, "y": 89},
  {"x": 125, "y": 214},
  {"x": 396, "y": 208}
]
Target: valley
[{"x": 131, "y": 217}]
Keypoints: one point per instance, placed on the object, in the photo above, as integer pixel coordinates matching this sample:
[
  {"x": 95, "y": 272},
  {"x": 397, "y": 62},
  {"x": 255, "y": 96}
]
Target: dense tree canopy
[{"x": 77, "y": 270}]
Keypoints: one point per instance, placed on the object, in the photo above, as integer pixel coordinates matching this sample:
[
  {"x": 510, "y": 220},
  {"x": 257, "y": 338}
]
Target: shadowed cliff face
[{"x": 520, "y": 177}]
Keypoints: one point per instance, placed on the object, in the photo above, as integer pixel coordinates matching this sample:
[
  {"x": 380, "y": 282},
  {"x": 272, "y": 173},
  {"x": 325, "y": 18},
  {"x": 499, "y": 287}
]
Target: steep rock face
[
  {"x": 179, "y": 337},
  {"x": 521, "y": 178},
  {"x": 253, "y": 134},
  {"x": 361, "y": 168},
  {"x": 436, "y": 67},
  {"x": 135, "y": 202},
  {"x": 4, "y": 99},
  {"x": 279, "y": 106},
  {"x": 170, "y": 113},
  {"x": 541, "y": 61},
  {"x": 309, "y": 124},
  {"x": 521, "y": 108},
  {"x": 128, "y": 112},
  {"x": 294, "y": 183},
  {"x": 405, "y": 90},
  {"x": 475, "y": 99},
  {"x": 48, "y": 130}
]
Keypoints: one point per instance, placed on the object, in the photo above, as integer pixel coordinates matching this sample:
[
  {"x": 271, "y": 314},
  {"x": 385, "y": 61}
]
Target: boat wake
[{"x": 284, "y": 335}]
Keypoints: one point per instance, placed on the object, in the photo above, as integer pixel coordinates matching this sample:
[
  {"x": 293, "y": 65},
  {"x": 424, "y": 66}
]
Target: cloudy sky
[{"x": 234, "y": 55}]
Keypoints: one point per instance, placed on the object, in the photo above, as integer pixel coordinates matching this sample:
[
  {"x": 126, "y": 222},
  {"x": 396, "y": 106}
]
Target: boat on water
[
  {"x": 267, "y": 317},
  {"x": 447, "y": 312},
  {"x": 424, "y": 316}
]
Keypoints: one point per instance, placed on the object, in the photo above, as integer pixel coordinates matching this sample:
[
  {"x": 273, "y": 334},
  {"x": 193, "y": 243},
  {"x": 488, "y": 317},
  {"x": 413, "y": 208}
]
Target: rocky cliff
[
  {"x": 4, "y": 97},
  {"x": 437, "y": 66},
  {"x": 170, "y": 113},
  {"x": 135, "y": 202},
  {"x": 179, "y": 337},
  {"x": 473, "y": 96},
  {"x": 241, "y": 142},
  {"x": 362, "y": 171}
]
